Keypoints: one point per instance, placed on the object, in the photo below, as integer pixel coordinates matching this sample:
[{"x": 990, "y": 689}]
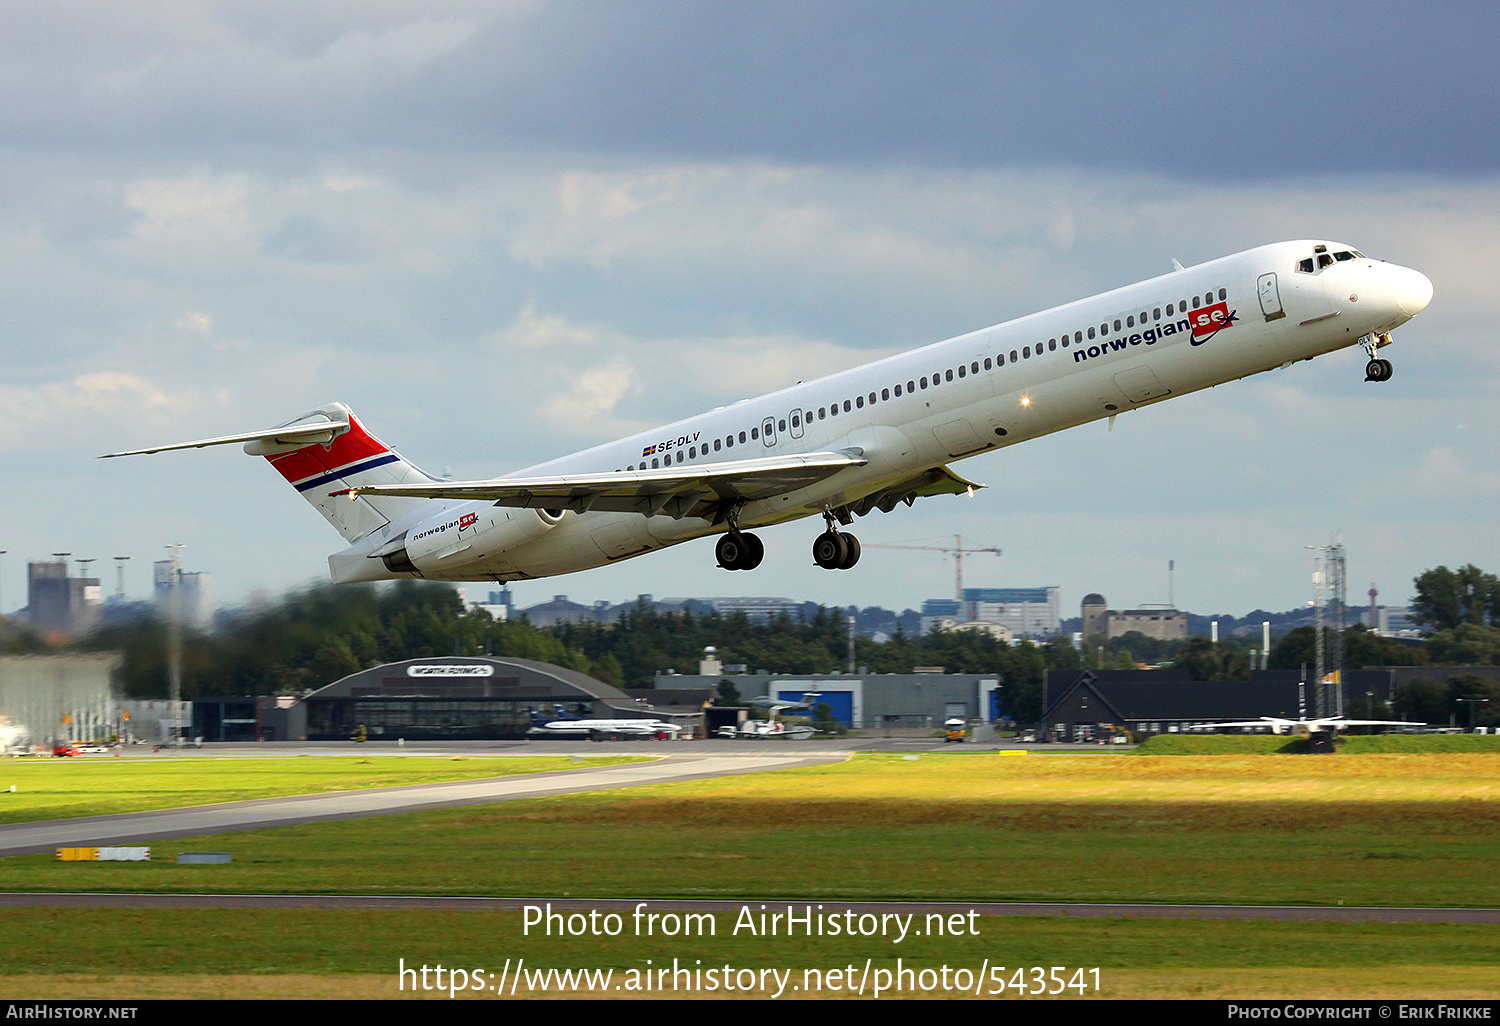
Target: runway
[{"x": 149, "y": 827}]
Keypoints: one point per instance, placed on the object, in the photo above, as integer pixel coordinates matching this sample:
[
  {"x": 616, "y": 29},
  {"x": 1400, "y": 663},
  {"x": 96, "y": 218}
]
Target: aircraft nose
[{"x": 1413, "y": 291}]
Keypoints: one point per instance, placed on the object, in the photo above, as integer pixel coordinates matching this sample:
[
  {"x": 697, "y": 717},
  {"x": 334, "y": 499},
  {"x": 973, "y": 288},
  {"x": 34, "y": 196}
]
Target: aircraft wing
[{"x": 676, "y": 492}]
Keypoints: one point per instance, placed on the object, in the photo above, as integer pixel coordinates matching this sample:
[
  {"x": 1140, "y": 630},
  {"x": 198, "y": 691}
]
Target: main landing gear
[
  {"x": 737, "y": 551},
  {"x": 833, "y": 550},
  {"x": 1377, "y": 369}
]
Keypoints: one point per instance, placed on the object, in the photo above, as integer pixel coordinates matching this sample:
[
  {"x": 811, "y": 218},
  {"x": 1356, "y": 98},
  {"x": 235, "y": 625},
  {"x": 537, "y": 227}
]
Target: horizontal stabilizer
[
  {"x": 675, "y": 492},
  {"x": 314, "y": 432}
]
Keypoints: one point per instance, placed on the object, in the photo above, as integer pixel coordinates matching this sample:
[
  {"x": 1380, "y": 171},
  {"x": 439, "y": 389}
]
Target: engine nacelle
[{"x": 465, "y": 535}]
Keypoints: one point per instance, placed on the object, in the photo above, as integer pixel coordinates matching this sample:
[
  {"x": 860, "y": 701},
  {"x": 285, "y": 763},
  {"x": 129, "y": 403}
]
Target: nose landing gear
[{"x": 1377, "y": 369}]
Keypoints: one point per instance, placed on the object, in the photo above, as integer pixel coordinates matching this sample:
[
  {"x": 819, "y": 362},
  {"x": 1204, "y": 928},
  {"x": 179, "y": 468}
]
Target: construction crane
[{"x": 957, "y": 549}]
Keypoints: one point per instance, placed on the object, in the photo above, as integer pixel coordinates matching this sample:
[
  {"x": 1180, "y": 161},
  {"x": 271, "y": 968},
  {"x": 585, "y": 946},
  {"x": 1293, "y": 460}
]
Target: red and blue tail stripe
[{"x": 353, "y": 452}]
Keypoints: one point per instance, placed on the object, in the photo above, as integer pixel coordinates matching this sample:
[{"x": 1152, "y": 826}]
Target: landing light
[{"x": 1025, "y": 400}]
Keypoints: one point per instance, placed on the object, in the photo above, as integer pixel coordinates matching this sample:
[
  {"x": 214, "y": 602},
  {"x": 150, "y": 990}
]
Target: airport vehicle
[
  {"x": 847, "y": 444},
  {"x": 565, "y": 723},
  {"x": 954, "y": 730},
  {"x": 64, "y": 749}
]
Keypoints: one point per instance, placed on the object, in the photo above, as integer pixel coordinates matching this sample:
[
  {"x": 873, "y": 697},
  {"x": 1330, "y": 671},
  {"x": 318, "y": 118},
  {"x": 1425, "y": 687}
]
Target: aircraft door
[
  {"x": 768, "y": 431},
  {"x": 794, "y": 424},
  {"x": 1270, "y": 297}
]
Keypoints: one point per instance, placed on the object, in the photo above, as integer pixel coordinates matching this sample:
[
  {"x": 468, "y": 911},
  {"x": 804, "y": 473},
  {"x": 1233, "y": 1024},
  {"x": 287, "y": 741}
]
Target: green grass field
[
  {"x": 356, "y": 953},
  {"x": 66, "y": 788},
  {"x": 1366, "y": 830},
  {"x": 1408, "y": 829}
]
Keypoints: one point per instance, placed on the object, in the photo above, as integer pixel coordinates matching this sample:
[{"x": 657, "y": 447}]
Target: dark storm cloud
[{"x": 1204, "y": 90}]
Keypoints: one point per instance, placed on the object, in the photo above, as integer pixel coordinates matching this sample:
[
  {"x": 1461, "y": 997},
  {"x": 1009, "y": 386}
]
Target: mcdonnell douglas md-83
[{"x": 846, "y": 444}]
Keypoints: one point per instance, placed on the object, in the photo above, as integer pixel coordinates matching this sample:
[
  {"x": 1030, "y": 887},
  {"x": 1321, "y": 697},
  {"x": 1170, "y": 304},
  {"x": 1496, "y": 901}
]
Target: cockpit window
[
  {"x": 1324, "y": 260},
  {"x": 1344, "y": 255}
]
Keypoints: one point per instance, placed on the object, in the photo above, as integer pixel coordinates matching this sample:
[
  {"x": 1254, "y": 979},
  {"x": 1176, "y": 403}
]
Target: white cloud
[
  {"x": 590, "y": 401},
  {"x": 92, "y": 406}
]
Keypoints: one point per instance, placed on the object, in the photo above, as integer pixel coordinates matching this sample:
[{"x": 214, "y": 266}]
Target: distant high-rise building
[
  {"x": 58, "y": 602},
  {"x": 1025, "y": 612},
  {"x": 189, "y": 603}
]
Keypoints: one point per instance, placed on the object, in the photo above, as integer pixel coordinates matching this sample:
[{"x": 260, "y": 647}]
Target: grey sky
[{"x": 505, "y": 231}]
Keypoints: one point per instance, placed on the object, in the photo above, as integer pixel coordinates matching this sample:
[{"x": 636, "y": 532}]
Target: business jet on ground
[
  {"x": 566, "y": 724},
  {"x": 847, "y": 444},
  {"x": 772, "y": 727},
  {"x": 1303, "y": 727}
]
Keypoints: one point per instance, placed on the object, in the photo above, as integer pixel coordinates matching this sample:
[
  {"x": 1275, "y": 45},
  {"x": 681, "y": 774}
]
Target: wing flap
[
  {"x": 671, "y": 492},
  {"x": 939, "y": 480}
]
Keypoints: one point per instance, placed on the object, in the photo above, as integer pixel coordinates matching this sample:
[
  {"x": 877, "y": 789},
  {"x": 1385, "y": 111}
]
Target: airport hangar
[{"x": 441, "y": 698}]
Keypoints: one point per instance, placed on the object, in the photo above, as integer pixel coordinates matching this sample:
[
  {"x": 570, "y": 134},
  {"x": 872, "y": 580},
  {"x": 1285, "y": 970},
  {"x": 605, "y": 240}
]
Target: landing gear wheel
[
  {"x": 754, "y": 552},
  {"x": 1387, "y": 370},
  {"x": 1378, "y": 370},
  {"x": 851, "y": 551},
  {"x": 829, "y": 550},
  {"x": 736, "y": 551}
]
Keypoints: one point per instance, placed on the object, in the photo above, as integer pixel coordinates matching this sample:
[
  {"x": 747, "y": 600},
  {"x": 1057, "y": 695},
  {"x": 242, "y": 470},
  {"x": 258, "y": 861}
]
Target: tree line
[{"x": 313, "y": 637}]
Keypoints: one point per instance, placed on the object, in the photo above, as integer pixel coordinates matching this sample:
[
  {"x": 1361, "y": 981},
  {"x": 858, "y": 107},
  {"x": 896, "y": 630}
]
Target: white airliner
[
  {"x": 566, "y": 723},
  {"x": 843, "y": 445},
  {"x": 1303, "y": 727}
]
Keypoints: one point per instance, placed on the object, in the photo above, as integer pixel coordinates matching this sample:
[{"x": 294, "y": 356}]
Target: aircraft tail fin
[{"x": 353, "y": 457}]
